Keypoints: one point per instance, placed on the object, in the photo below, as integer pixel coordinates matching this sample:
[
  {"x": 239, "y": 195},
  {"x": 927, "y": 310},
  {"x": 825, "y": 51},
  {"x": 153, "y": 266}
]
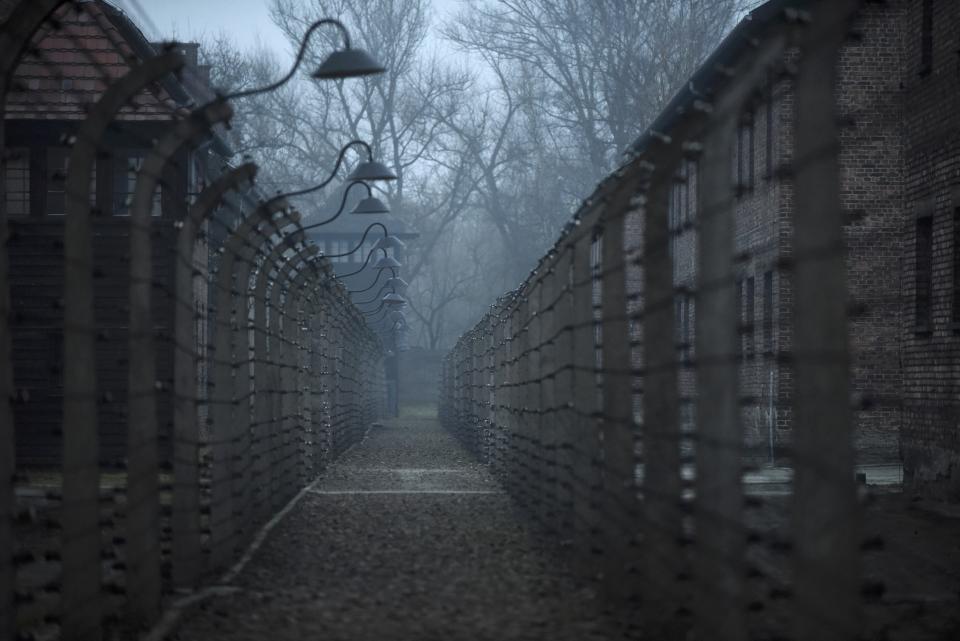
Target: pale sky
[{"x": 246, "y": 20}]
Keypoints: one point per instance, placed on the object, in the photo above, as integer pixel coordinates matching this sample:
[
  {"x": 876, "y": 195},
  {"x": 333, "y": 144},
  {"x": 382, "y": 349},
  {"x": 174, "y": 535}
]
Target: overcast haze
[{"x": 247, "y": 21}]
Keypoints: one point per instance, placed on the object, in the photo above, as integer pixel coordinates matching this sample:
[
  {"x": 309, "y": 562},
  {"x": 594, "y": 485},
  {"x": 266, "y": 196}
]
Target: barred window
[
  {"x": 748, "y": 325},
  {"x": 923, "y": 277},
  {"x": 125, "y": 171},
  {"x": 768, "y": 312},
  {"x": 58, "y": 166},
  {"x": 746, "y": 154},
  {"x": 926, "y": 38},
  {"x": 16, "y": 178},
  {"x": 956, "y": 266}
]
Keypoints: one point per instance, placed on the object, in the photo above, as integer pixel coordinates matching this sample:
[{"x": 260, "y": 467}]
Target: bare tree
[{"x": 608, "y": 65}]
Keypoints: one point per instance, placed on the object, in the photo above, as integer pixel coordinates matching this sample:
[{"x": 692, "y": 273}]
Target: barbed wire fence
[
  {"x": 618, "y": 418},
  {"x": 191, "y": 403}
]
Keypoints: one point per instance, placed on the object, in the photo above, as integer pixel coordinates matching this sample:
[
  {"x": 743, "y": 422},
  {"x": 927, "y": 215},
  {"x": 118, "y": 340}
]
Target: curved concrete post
[
  {"x": 22, "y": 23},
  {"x": 280, "y": 355},
  {"x": 242, "y": 361},
  {"x": 262, "y": 425},
  {"x": 186, "y": 551},
  {"x": 223, "y": 515},
  {"x": 80, "y": 517},
  {"x": 827, "y": 516},
  {"x": 143, "y": 582},
  {"x": 304, "y": 307},
  {"x": 719, "y": 556}
]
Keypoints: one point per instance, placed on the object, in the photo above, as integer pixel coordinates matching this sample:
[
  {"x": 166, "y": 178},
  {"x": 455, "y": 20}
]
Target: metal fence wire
[
  {"x": 207, "y": 364},
  {"x": 614, "y": 391}
]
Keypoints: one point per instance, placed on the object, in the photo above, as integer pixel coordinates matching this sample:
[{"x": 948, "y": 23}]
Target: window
[
  {"x": 740, "y": 315},
  {"x": 768, "y": 151},
  {"x": 683, "y": 326},
  {"x": 924, "y": 273},
  {"x": 686, "y": 328},
  {"x": 745, "y": 154},
  {"x": 58, "y": 163},
  {"x": 58, "y": 166},
  {"x": 125, "y": 170},
  {"x": 768, "y": 312},
  {"x": 748, "y": 326},
  {"x": 956, "y": 267},
  {"x": 17, "y": 181},
  {"x": 926, "y": 38}
]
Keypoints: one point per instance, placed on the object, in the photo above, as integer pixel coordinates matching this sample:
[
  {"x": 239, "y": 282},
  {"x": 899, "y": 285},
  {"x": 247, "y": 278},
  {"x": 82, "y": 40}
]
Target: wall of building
[
  {"x": 869, "y": 103},
  {"x": 931, "y": 339}
]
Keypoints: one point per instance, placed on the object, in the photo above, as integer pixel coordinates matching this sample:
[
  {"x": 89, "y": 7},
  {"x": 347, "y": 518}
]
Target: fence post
[
  {"x": 720, "y": 551},
  {"x": 565, "y": 423},
  {"x": 222, "y": 517},
  {"x": 619, "y": 494},
  {"x": 24, "y": 19},
  {"x": 663, "y": 556},
  {"x": 531, "y": 397},
  {"x": 585, "y": 441},
  {"x": 262, "y": 426},
  {"x": 826, "y": 513},
  {"x": 142, "y": 554},
  {"x": 185, "y": 551},
  {"x": 548, "y": 397},
  {"x": 7, "y": 447},
  {"x": 80, "y": 513}
]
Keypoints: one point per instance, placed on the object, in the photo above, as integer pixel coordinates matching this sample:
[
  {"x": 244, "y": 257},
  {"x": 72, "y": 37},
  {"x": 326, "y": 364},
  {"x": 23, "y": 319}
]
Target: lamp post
[{"x": 342, "y": 63}]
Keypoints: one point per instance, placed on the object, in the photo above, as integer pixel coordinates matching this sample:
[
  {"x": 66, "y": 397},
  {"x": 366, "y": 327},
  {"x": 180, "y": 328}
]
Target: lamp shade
[
  {"x": 397, "y": 284},
  {"x": 348, "y": 63},
  {"x": 371, "y": 205},
  {"x": 394, "y": 299},
  {"x": 372, "y": 170},
  {"x": 387, "y": 262},
  {"x": 389, "y": 241}
]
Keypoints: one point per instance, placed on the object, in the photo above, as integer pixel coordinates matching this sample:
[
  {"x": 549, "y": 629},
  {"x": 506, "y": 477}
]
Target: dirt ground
[{"x": 408, "y": 537}]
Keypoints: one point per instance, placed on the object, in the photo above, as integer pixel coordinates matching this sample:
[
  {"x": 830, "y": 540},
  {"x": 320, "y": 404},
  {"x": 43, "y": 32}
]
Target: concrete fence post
[
  {"x": 586, "y": 444},
  {"x": 827, "y": 520},
  {"x": 81, "y": 601},
  {"x": 719, "y": 601},
  {"x": 565, "y": 422},
  {"x": 186, "y": 551},
  {"x": 142, "y": 554},
  {"x": 223, "y": 524},
  {"x": 23, "y": 21},
  {"x": 662, "y": 551},
  {"x": 261, "y": 425},
  {"x": 619, "y": 494}
]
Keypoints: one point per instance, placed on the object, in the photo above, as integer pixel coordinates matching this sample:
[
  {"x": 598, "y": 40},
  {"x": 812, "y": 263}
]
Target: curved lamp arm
[
  {"x": 296, "y": 65},
  {"x": 377, "y": 296},
  {"x": 336, "y": 168},
  {"x": 362, "y": 240},
  {"x": 393, "y": 271},
  {"x": 343, "y": 204},
  {"x": 362, "y": 267}
]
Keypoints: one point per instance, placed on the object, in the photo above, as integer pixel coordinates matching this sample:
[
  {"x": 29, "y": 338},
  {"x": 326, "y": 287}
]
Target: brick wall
[
  {"x": 931, "y": 348},
  {"x": 872, "y": 193}
]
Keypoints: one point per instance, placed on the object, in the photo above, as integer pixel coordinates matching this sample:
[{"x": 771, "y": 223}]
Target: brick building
[
  {"x": 69, "y": 69},
  {"x": 899, "y": 100},
  {"x": 930, "y": 333}
]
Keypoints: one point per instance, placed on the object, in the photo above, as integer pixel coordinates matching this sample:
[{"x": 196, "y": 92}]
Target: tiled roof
[{"x": 69, "y": 68}]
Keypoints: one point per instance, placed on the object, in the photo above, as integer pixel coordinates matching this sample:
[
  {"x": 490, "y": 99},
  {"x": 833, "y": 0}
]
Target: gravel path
[{"x": 405, "y": 538}]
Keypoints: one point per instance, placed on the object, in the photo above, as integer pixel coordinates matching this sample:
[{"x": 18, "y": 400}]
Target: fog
[{"x": 498, "y": 118}]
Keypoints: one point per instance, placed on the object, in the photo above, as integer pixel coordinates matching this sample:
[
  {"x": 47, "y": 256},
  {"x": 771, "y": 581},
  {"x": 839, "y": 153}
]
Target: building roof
[
  {"x": 74, "y": 64},
  {"x": 709, "y": 76}
]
